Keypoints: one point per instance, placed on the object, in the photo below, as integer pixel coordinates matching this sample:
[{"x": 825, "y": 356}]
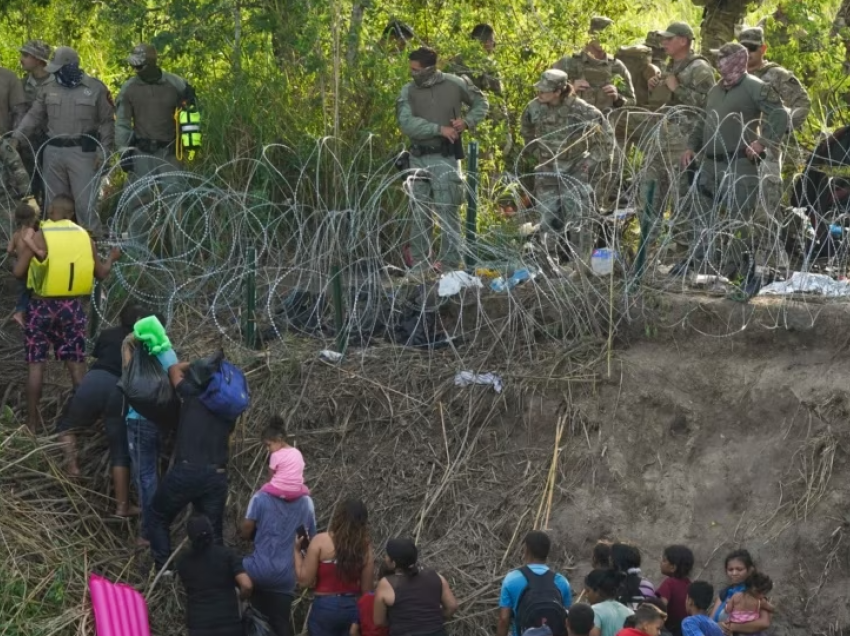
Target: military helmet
[
  {"x": 599, "y": 23},
  {"x": 551, "y": 80},
  {"x": 39, "y": 49}
]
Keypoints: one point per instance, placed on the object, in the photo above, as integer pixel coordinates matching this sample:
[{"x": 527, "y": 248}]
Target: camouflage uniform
[
  {"x": 719, "y": 18},
  {"x": 72, "y": 158},
  {"x": 736, "y": 117},
  {"x": 436, "y": 187},
  {"x": 570, "y": 141},
  {"x": 16, "y": 184},
  {"x": 841, "y": 26},
  {"x": 796, "y": 99},
  {"x": 661, "y": 162},
  {"x": 33, "y": 87},
  {"x": 599, "y": 73}
]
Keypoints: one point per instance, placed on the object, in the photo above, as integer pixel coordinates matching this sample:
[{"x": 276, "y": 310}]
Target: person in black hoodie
[{"x": 98, "y": 396}]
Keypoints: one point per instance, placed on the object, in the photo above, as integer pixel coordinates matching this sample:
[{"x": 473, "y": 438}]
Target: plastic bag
[
  {"x": 147, "y": 388},
  {"x": 255, "y": 624}
]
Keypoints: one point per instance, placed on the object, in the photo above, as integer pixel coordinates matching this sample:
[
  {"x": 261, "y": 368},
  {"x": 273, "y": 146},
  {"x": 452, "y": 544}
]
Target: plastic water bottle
[
  {"x": 499, "y": 284},
  {"x": 602, "y": 261},
  {"x": 521, "y": 275}
]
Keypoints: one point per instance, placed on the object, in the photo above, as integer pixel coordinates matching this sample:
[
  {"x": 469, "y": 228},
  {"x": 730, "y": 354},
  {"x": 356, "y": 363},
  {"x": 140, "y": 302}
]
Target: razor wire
[{"x": 336, "y": 220}]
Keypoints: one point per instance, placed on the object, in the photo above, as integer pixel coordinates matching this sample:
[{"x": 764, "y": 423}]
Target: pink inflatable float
[{"x": 119, "y": 610}]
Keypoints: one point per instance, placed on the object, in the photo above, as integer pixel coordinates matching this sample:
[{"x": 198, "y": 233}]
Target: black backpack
[{"x": 541, "y": 603}]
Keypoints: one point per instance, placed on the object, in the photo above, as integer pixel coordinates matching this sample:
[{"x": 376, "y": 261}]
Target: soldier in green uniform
[
  {"x": 15, "y": 185},
  {"x": 571, "y": 142},
  {"x": 78, "y": 112},
  {"x": 430, "y": 111},
  {"x": 34, "y": 57},
  {"x": 743, "y": 118},
  {"x": 794, "y": 97},
  {"x": 719, "y": 18},
  {"x": 599, "y": 79},
  {"x": 685, "y": 82}
]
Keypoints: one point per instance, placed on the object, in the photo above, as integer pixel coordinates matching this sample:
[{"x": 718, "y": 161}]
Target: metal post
[
  {"x": 250, "y": 332},
  {"x": 471, "y": 203},
  {"x": 645, "y": 227},
  {"x": 339, "y": 310}
]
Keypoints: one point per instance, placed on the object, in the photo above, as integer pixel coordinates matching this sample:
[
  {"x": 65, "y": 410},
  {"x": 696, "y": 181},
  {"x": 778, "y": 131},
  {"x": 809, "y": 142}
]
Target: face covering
[
  {"x": 69, "y": 75},
  {"x": 733, "y": 66},
  {"x": 149, "y": 73},
  {"x": 425, "y": 77}
]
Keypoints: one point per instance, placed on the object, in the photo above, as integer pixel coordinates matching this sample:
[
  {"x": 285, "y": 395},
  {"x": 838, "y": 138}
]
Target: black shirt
[
  {"x": 107, "y": 350},
  {"x": 203, "y": 438},
  {"x": 417, "y": 608},
  {"x": 209, "y": 578}
]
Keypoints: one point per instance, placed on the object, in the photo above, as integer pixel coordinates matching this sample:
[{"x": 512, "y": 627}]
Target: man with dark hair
[
  {"x": 580, "y": 620},
  {"x": 396, "y": 35},
  {"x": 430, "y": 111},
  {"x": 534, "y": 592},
  {"x": 700, "y": 600}
]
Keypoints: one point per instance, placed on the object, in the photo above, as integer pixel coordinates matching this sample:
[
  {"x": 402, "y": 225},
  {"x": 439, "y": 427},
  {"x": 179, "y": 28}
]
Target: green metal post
[
  {"x": 471, "y": 203},
  {"x": 339, "y": 310},
  {"x": 250, "y": 333},
  {"x": 645, "y": 227}
]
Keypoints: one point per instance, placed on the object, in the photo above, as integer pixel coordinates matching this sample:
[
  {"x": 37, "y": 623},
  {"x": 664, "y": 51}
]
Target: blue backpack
[{"x": 227, "y": 394}]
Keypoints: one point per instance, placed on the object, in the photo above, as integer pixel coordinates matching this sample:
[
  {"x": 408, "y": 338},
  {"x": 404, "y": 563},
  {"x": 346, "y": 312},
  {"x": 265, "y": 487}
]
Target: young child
[
  {"x": 580, "y": 620},
  {"x": 648, "y": 620},
  {"x": 26, "y": 223},
  {"x": 366, "y": 610},
  {"x": 699, "y": 601},
  {"x": 286, "y": 464},
  {"x": 676, "y": 564},
  {"x": 745, "y": 607},
  {"x": 600, "y": 590}
]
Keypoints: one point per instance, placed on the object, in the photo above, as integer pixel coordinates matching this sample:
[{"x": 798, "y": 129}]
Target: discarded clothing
[
  {"x": 453, "y": 282},
  {"x": 802, "y": 282},
  {"x": 465, "y": 378}
]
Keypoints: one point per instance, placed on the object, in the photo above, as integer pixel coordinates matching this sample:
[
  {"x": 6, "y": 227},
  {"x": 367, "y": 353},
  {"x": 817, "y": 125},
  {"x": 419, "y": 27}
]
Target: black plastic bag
[
  {"x": 255, "y": 624},
  {"x": 147, "y": 388}
]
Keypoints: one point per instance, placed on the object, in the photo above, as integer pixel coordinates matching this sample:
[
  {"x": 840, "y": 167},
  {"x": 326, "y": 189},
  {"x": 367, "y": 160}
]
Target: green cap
[
  {"x": 552, "y": 79},
  {"x": 752, "y": 35},
  {"x": 678, "y": 29},
  {"x": 599, "y": 23}
]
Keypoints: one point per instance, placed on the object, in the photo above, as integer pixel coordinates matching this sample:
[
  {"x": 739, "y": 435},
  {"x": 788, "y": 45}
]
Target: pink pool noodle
[{"x": 119, "y": 610}]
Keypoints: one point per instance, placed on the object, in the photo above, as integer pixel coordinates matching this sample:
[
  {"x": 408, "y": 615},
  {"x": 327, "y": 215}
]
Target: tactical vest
[
  {"x": 68, "y": 269},
  {"x": 760, "y": 72},
  {"x": 597, "y": 73},
  {"x": 439, "y": 104},
  {"x": 636, "y": 59},
  {"x": 663, "y": 96}
]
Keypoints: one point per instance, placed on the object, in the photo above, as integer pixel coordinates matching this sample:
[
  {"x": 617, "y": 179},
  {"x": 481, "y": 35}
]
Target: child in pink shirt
[{"x": 286, "y": 464}]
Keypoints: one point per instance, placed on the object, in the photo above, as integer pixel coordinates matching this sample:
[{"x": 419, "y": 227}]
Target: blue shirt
[
  {"x": 700, "y": 625},
  {"x": 271, "y": 566},
  {"x": 167, "y": 359},
  {"x": 515, "y": 583}
]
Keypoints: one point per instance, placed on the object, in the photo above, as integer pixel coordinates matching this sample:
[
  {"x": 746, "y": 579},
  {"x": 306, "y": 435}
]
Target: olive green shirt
[
  {"x": 147, "y": 110},
  {"x": 735, "y": 117}
]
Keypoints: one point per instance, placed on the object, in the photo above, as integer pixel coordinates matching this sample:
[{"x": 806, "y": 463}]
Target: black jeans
[
  {"x": 276, "y": 607},
  {"x": 203, "y": 486}
]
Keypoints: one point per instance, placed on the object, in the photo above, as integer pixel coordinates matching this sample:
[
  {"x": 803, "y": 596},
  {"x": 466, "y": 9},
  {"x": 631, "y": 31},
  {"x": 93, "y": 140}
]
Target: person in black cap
[
  {"x": 414, "y": 600},
  {"x": 396, "y": 35},
  {"x": 209, "y": 573}
]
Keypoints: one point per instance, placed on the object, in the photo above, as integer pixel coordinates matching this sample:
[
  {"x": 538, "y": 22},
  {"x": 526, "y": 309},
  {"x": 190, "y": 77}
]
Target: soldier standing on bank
[
  {"x": 78, "y": 113},
  {"x": 144, "y": 129},
  {"x": 743, "y": 118},
  {"x": 685, "y": 82},
  {"x": 34, "y": 57},
  {"x": 794, "y": 97},
  {"x": 599, "y": 79},
  {"x": 719, "y": 19},
  {"x": 570, "y": 141},
  {"x": 430, "y": 111}
]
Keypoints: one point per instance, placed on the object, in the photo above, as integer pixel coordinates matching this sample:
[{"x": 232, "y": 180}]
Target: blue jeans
[
  {"x": 332, "y": 615},
  {"x": 143, "y": 441}
]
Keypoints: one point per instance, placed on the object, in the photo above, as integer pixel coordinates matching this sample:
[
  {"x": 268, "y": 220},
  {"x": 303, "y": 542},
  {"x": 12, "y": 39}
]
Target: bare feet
[
  {"x": 142, "y": 543},
  {"x": 18, "y": 317},
  {"x": 125, "y": 510}
]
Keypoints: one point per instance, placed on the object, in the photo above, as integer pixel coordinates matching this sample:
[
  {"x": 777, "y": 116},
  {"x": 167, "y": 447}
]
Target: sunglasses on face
[{"x": 752, "y": 48}]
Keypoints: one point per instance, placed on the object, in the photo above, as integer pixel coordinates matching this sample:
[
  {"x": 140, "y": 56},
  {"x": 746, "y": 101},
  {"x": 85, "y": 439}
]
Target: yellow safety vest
[{"x": 68, "y": 269}]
